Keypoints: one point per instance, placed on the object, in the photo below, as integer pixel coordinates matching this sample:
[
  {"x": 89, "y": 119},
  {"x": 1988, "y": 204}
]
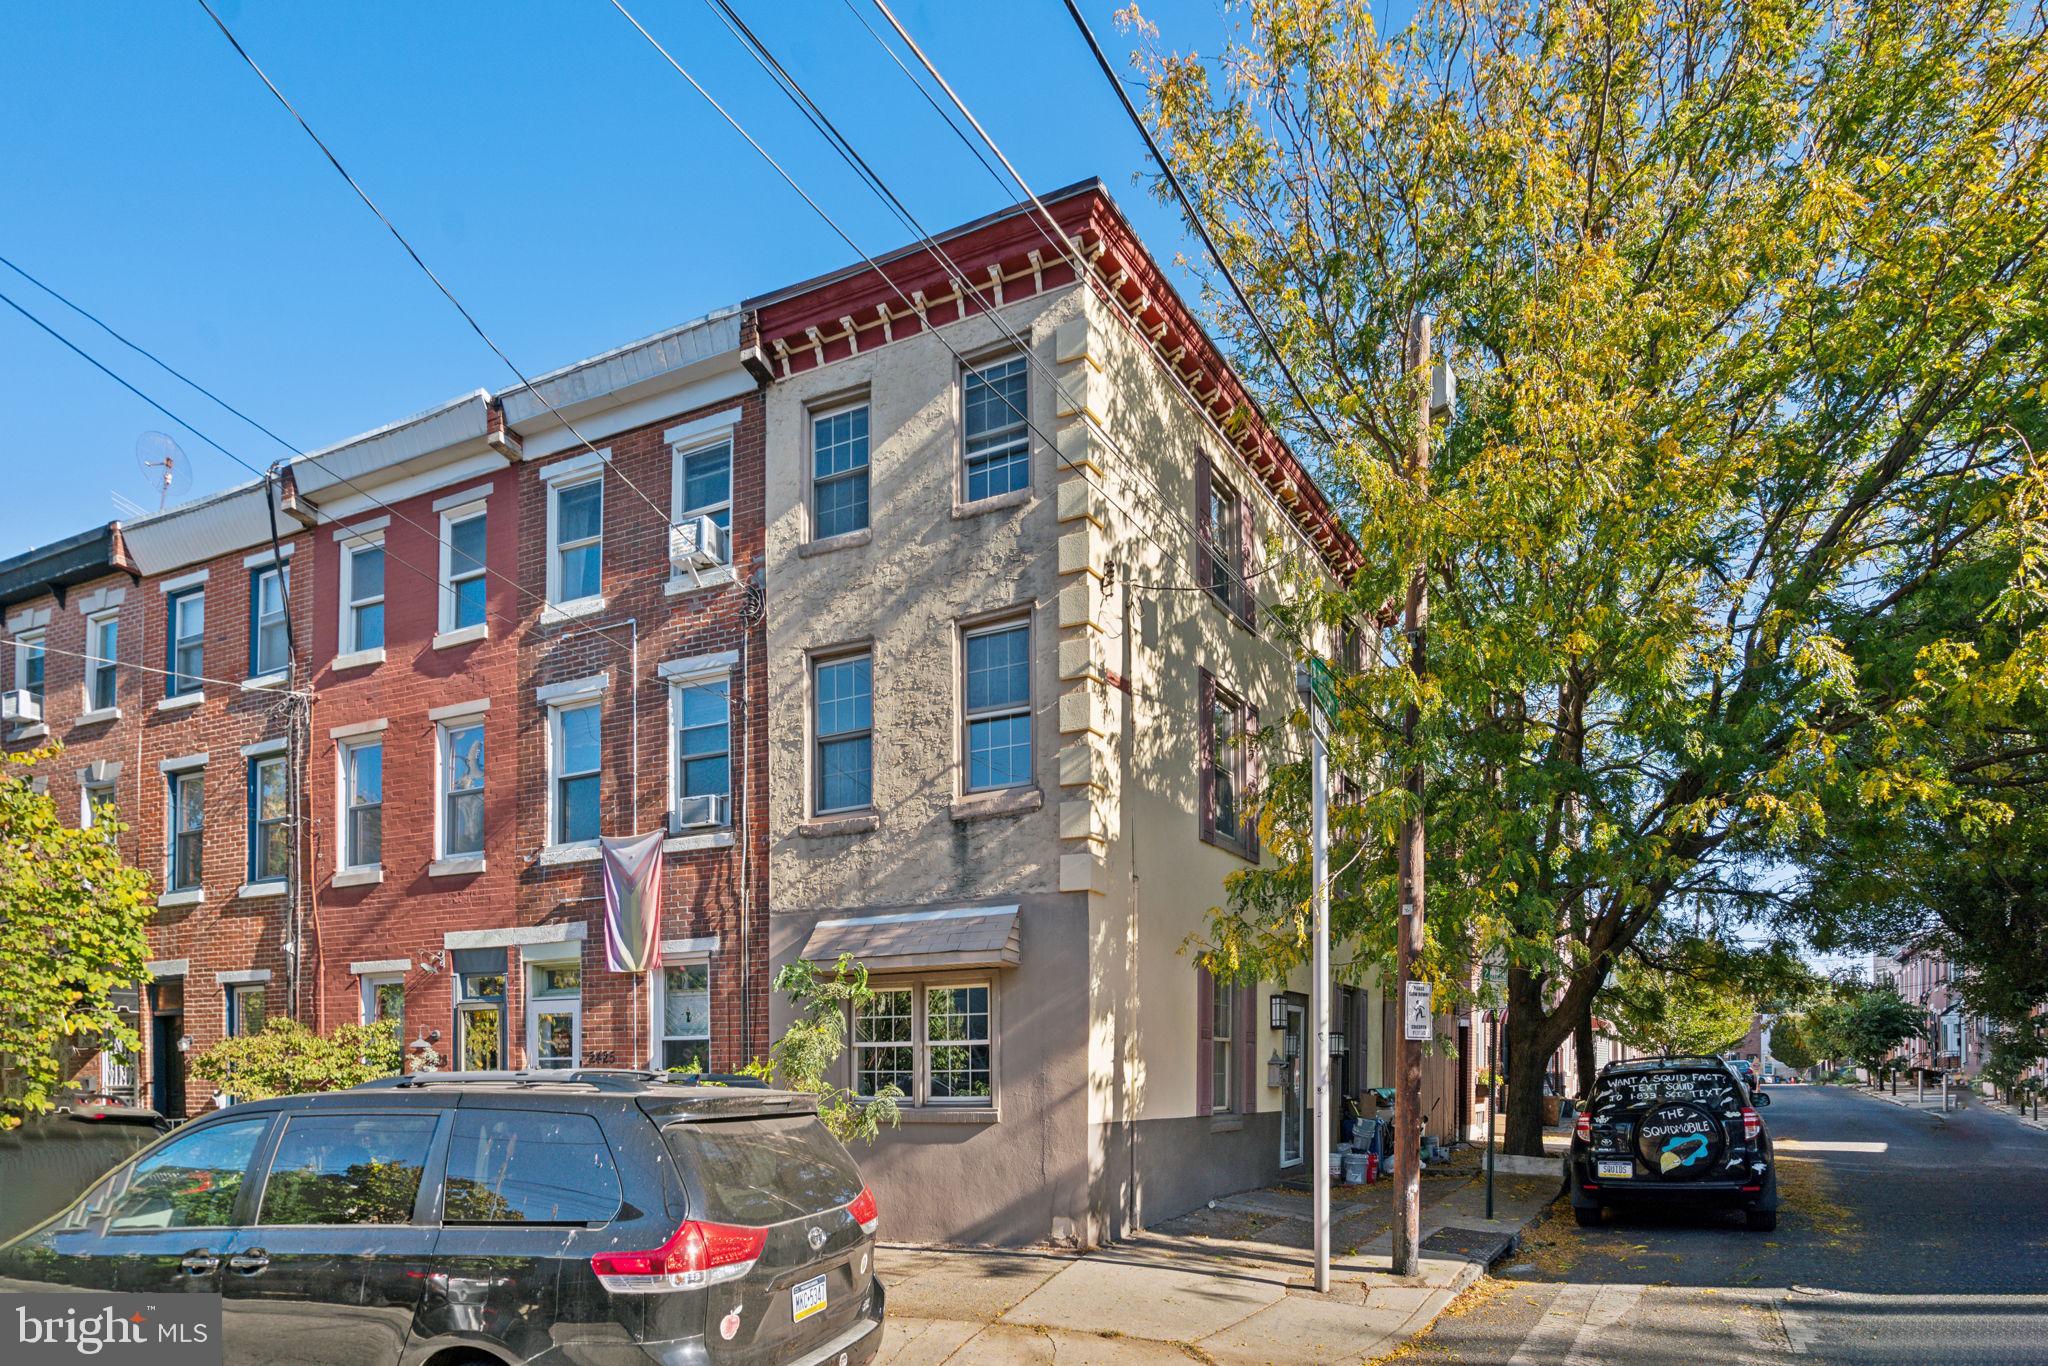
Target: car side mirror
[{"x": 1759, "y": 1099}]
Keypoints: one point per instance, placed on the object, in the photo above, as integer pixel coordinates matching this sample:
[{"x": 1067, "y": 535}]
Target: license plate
[
  {"x": 1617, "y": 1169},
  {"x": 807, "y": 1299}
]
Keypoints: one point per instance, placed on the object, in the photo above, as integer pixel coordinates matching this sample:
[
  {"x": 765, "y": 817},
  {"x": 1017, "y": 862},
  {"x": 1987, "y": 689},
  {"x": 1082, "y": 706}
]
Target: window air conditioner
[
  {"x": 21, "y": 707},
  {"x": 694, "y": 813},
  {"x": 697, "y": 543}
]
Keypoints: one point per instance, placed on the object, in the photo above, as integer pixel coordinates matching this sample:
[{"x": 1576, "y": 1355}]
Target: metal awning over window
[{"x": 971, "y": 937}]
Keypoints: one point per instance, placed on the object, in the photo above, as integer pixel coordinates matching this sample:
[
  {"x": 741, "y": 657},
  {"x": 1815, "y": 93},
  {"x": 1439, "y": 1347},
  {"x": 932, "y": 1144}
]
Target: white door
[
  {"x": 1294, "y": 1098},
  {"x": 554, "y": 1015}
]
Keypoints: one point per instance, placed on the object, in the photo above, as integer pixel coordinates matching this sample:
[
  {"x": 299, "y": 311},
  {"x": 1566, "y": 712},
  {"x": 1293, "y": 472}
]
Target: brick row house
[{"x": 924, "y": 608}]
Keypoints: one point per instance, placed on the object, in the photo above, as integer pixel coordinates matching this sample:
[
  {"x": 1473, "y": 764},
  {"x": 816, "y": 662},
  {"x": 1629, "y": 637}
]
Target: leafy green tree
[
  {"x": 1744, "y": 299},
  {"x": 816, "y": 1038},
  {"x": 1863, "y": 1025},
  {"x": 1789, "y": 1043},
  {"x": 72, "y": 922},
  {"x": 1666, "y": 1011},
  {"x": 286, "y": 1058}
]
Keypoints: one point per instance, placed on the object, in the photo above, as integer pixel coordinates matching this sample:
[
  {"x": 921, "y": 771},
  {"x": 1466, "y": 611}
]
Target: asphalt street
[{"x": 1904, "y": 1237}]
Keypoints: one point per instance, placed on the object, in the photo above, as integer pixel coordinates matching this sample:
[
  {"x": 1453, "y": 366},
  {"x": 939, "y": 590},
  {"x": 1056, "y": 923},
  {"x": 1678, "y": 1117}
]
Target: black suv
[
  {"x": 1673, "y": 1130},
  {"x": 579, "y": 1216}
]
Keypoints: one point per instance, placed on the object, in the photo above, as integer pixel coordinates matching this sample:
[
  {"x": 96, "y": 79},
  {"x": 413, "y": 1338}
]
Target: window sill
[
  {"x": 462, "y": 635},
  {"x": 1002, "y": 801},
  {"x": 846, "y": 540},
  {"x": 275, "y": 679},
  {"x": 570, "y": 853},
  {"x": 683, "y": 844},
  {"x": 1226, "y": 1124},
  {"x": 34, "y": 732},
  {"x": 456, "y": 865},
  {"x": 359, "y": 659},
  {"x": 825, "y": 827},
  {"x": 556, "y": 612},
  {"x": 1230, "y": 846},
  {"x": 718, "y": 576},
  {"x": 181, "y": 701},
  {"x": 359, "y": 877},
  {"x": 191, "y": 896},
  {"x": 1000, "y": 502},
  {"x": 259, "y": 891},
  {"x": 950, "y": 1114},
  {"x": 93, "y": 718}
]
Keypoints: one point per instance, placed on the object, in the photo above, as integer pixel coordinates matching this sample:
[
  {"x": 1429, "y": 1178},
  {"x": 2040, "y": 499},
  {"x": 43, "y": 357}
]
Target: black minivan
[
  {"x": 588, "y": 1217},
  {"x": 1673, "y": 1130}
]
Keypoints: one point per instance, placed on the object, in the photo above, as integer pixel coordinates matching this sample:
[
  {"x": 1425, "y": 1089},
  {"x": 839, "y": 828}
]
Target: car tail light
[
  {"x": 1582, "y": 1127},
  {"x": 864, "y": 1210},
  {"x": 1752, "y": 1124},
  {"x": 699, "y": 1254}
]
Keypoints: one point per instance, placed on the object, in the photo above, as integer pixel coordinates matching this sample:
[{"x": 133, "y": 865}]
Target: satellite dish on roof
[{"x": 164, "y": 463}]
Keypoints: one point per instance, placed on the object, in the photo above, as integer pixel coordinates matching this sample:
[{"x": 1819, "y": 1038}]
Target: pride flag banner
[{"x": 632, "y": 901}]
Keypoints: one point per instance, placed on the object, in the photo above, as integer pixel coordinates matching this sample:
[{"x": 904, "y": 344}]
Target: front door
[
  {"x": 1294, "y": 1096},
  {"x": 166, "y": 1063}
]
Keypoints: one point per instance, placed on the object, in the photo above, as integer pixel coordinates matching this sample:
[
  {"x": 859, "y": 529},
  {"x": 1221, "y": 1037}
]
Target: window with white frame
[
  {"x": 683, "y": 1016},
  {"x": 384, "y": 997},
  {"x": 704, "y": 483},
  {"x": 245, "y": 1009},
  {"x": 1222, "y": 1044},
  {"x": 29, "y": 662},
  {"x": 362, "y": 596},
  {"x": 268, "y": 643},
  {"x": 362, "y": 804},
  {"x": 188, "y": 829},
  {"x": 103, "y": 651},
  {"x": 703, "y": 745},
  {"x": 839, "y": 471},
  {"x": 462, "y": 567},
  {"x": 269, "y": 828},
  {"x": 576, "y": 539},
  {"x": 843, "y": 725},
  {"x": 554, "y": 1014},
  {"x": 96, "y": 803},
  {"x": 997, "y": 705},
  {"x": 575, "y": 754},
  {"x": 931, "y": 1040},
  {"x": 462, "y": 787},
  {"x": 996, "y": 429},
  {"x": 187, "y": 614}
]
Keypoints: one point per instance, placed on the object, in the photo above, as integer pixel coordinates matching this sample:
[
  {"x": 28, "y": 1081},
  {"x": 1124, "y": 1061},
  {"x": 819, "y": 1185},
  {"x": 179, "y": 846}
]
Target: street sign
[
  {"x": 1322, "y": 686},
  {"x": 1418, "y": 1023}
]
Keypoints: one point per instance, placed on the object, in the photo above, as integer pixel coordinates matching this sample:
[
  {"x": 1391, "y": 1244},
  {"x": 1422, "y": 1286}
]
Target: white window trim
[
  {"x": 812, "y": 417},
  {"x": 920, "y": 1042},
  {"x": 281, "y": 568},
  {"x": 677, "y": 684},
  {"x": 86, "y": 790},
  {"x": 994, "y": 626},
  {"x": 674, "y": 955},
  {"x": 444, "y": 858},
  {"x": 815, "y": 739},
  {"x": 175, "y": 771},
  {"x": 556, "y": 706},
  {"x": 537, "y": 1004},
  {"x": 192, "y": 589},
  {"x": 679, "y": 457},
  {"x": 346, "y": 642},
  {"x": 366, "y": 994},
  {"x": 1225, "y": 1101},
  {"x": 561, "y": 477},
  {"x": 95, "y": 666},
  {"x": 36, "y": 640},
  {"x": 269, "y": 755},
  {"x": 344, "y": 751},
  {"x": 462, "y": 512},
  {"x": 968, "y": 370}
]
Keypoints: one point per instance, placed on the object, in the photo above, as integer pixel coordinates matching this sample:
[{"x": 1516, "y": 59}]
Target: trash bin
[{"x": 1354, "y": 1169}]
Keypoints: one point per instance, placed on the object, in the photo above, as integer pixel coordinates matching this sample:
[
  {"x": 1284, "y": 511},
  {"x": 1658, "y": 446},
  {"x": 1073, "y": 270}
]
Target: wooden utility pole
[{"x": 1415, "y": 624}]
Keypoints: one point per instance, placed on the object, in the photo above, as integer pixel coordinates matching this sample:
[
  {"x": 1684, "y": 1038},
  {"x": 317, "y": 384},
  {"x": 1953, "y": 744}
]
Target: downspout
[{"x": 753, "y": 610}]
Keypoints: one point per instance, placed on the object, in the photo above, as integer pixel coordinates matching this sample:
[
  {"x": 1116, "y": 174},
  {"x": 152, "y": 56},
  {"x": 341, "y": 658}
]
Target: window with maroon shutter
[
  {"x": 1253, "y": 766},
  {"x": 1247, "y": 559},
  {"x": 1205, "y": 1020},
  {"x": 1247, "y": 1050}
]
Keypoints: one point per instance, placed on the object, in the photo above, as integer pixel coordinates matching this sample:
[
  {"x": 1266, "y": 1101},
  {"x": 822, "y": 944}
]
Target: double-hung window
[
  {"x": 1222, "y": 1044},
  {"x": 998, "y": 705},
  {"x": 576, "y": 549},
  {"x": 102, "y": 638},
  {"x": 245, "y": 1009},
  {"x": 1226, "y": 729},
  {"x": 462, "y": 788},
  {"x": 362, "y": 596},
  {"x": 29, "y": 662},
  {"x": 188, "y": 829},
  {"x": 844, "y": 726},
  {"x": 269, "y": 828},
  {"x": 703, "y": 719},
  {"x": 267, "y": 637},
  {"x": 480, "y": 1020},
  {"x": 96, "y": 804},
  {"x": 362, "y": 804},
  {"x": 462, "y": 567},
  {"x": 576, "y": 754},
  {"x": 1223, "y": 544},
  {"x": 684, "y": 1015},
  {"x": 706, "y": 484},
  {"x": 839, "y": 471},
  {"x": 384, "y": 998},
  {"x": 931, "y": 1041},
  {"x": 997, "y": 428},
  {"x": 187, "y": 614}
]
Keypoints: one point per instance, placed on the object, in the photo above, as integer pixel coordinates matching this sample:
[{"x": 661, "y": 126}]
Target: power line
[
  {"x": 242, "y": 685},
  {"x": 1194, "y": 220},
  {"x": 417, "y": 260},
  {"x": 314, "y": 460}
]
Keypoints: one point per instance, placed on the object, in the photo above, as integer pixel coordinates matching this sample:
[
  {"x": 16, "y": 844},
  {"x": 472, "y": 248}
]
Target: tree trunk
[
  {"x": 1523, "y": 1037},
  {"x": 1585, "y": 1058}
]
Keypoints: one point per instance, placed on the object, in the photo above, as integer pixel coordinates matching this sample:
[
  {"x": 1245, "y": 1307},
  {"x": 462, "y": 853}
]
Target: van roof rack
[{"x": 621, "y": 1079}]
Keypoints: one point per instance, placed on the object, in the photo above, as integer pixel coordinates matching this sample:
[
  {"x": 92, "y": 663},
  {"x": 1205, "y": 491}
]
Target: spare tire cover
[{"x": 1680, "y": 1141}]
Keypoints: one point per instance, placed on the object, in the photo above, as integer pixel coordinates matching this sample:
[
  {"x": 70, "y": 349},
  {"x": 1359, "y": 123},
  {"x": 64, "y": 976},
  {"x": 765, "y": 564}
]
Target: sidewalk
[
  {"x": 1958, "y": 1098},
  {"x": 1226, "y": 1284}
]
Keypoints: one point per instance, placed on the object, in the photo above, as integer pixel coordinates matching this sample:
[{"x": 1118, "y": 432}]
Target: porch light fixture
[
  {"x": 1337, "y": 1048},
  {"x": 1276, "y": 1012}
]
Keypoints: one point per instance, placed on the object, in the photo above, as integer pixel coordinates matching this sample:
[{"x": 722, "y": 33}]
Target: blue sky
[{"x": 572, "y": 190}]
